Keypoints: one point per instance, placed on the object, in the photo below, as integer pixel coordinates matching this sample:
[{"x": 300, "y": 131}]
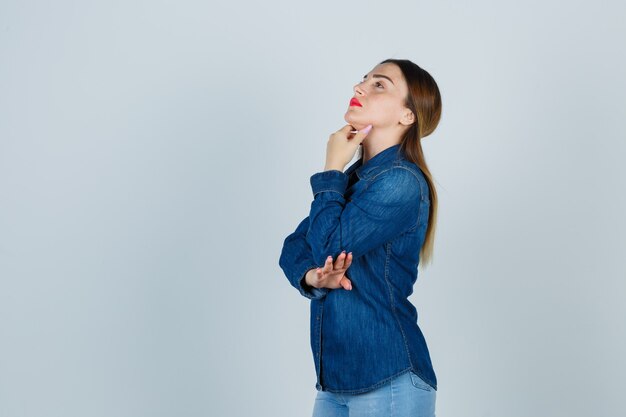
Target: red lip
[{"x": 355, "y": 102}]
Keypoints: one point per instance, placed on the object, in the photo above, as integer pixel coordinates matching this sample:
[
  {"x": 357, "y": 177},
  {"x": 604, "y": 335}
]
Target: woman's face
[{"x": 381, "y": 94}]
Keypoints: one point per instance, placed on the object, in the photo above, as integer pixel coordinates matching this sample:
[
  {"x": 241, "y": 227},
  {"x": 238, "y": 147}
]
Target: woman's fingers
[
  {"x": 343, "y": 262},
  {"x": 345, "y": 283},
  {"x": 340, "y": 262},
  {"x": 328, "y": 265},
  {"x": 348, "y": 260}
]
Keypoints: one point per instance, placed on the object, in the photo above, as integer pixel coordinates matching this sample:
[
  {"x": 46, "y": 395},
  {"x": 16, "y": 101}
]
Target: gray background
[{"x": 154, "y": 155}]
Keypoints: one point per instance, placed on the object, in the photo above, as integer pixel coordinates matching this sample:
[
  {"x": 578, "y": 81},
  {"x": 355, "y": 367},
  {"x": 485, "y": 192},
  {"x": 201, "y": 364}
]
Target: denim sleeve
[
  {"x": 388, "y": 207},
  {"x": 296, "y": 260}
]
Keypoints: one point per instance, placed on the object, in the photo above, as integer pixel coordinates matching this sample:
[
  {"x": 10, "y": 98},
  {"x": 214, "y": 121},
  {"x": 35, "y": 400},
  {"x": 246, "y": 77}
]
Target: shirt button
[{"x": 318, "y": 317}]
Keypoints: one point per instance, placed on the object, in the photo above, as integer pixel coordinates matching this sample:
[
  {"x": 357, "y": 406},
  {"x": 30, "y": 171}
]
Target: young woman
[{"x": 356, "y": 255}]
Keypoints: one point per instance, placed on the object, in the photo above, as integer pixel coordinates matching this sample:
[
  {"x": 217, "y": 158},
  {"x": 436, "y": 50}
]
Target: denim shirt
[{"x": 361, "y": 338}]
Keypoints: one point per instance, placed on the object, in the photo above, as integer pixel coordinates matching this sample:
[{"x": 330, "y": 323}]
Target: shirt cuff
[{"x": 332, "y": 180}]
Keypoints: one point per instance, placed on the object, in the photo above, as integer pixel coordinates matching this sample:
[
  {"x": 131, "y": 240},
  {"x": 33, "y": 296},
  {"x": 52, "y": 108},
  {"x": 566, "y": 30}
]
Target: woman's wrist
[
  {"x": 309, "y": 277},
  {"x": 333, "y": 166}
]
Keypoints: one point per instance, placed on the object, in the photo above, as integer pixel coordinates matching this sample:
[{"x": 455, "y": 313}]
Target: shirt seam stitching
[
  {"x": 334, "y": 191},
  {"x": 393, "y": 307}
]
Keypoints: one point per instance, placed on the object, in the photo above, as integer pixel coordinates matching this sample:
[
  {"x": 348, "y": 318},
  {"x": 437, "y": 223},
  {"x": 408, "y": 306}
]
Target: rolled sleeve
[
  {"x": 332, "y": 180},
  {"x": 296, "y": 260}
]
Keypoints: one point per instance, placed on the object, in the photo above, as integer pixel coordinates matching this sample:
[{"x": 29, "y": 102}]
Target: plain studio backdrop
[{"x": 154, "y": 156}]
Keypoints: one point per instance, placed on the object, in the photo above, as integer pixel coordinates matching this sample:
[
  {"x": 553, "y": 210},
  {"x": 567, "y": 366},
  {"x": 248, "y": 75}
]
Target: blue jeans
[{"x": 406, "y": 395}]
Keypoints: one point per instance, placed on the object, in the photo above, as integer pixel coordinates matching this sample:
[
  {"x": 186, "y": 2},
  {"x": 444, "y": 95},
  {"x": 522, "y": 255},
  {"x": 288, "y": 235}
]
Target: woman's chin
[
  {"x": 354, "y": 123},
  {"x": 351, "y": 120}
]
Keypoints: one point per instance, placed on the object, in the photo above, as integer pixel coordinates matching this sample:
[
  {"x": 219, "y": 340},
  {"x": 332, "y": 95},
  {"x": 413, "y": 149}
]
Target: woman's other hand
[{"x": 331, "y": 275}]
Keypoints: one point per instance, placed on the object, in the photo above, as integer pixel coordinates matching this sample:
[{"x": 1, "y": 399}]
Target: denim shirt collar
[{"x": 375, "y": 162}]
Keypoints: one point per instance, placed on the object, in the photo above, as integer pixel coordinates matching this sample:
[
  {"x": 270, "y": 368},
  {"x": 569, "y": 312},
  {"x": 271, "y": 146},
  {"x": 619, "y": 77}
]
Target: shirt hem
[{"x": 372, "y": 387}]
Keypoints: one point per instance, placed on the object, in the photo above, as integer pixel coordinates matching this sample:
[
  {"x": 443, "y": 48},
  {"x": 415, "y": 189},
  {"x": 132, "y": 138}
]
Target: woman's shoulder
[
  {"x": 407, "y": 173},
  {"x": 396, "y": 180},
  {"x": 399, "y": 169}
]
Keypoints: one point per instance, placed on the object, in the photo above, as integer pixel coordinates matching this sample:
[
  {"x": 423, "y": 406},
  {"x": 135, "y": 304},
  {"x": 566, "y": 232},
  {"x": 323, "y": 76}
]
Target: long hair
[{"x": 424, "y": 100}]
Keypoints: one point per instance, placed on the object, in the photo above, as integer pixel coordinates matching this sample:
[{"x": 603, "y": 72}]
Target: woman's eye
[{"x": 377, "y": 84}]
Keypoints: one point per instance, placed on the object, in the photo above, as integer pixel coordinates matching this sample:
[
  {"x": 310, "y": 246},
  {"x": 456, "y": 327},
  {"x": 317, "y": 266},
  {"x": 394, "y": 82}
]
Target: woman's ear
[{"x": 407, "y": 118}]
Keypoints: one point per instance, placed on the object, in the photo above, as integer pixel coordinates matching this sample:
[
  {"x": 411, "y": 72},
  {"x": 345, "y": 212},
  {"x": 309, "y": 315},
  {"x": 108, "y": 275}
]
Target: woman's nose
[{"x": 357, "y": 89}]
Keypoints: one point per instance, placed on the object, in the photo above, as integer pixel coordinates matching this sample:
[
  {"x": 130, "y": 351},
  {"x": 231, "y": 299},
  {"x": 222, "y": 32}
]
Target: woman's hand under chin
[{"x": 342, "y": 146}]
